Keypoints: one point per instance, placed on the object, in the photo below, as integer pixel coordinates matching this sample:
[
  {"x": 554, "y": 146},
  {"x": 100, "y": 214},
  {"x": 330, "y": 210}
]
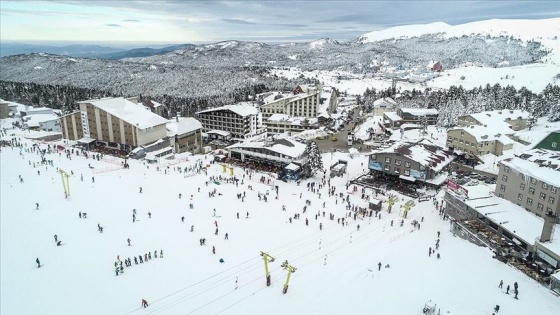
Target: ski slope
[{"x": 78, "y": 277}]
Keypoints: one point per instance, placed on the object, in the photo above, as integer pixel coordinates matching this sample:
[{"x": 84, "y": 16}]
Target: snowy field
[{"x": 337, "y": 267}]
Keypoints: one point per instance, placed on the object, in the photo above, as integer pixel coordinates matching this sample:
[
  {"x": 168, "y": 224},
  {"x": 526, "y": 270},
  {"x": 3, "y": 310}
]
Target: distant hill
[{"x": 87, "y": 51}]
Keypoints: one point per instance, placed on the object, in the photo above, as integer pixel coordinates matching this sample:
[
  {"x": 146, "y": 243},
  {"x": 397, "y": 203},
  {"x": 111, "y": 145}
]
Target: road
[{"x": 327, "y": 145}]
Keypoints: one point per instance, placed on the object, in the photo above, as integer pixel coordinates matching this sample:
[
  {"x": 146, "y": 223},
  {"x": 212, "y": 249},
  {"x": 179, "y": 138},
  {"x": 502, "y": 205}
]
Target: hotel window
[
  {"x": 397, "y": 170},
  {"x": 387, "y": 168},
  {"x": 540, "y": 206},
  {"x": 506, "y": 169},
  {"x": 529, "y": 201},
  {"x": 504, "y": 178},
  {"x": 548, "y": 209},
  {"x": 501, "y": 195},
  {"x": 553, "y": 189},
  {"x": 520, "y": 197},
  {"x": 387, "y": 160},
  {"x": 554, "y": 144},
  {"x": 550, "y": 199},
  {"x": 543, "y": 196},
  {"x": 374, "y": 156},
  {"x": 398, "y": 162},
  {"x": 533, "y": 181},
  {"x": 406, "y": 164},
  {"x": 522, "y": 186},
  {"x": 502, "y": 188},
  {"x": 544, "y": 186},
  {"x": 531, "y": 190},
  {"x": 407, "y": 172}
]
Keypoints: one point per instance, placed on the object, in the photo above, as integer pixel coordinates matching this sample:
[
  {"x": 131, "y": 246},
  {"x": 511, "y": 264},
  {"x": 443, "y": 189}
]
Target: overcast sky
[{"x": 160, "y": 21}]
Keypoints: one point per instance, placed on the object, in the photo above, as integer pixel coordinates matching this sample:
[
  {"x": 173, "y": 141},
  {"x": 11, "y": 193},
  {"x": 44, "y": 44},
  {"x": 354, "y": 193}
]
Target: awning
[
  {"x": 408, "y": 178},
  {"x": 86, "y": 140}
]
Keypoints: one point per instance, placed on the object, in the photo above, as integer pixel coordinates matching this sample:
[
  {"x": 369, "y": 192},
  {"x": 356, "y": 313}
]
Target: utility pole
[
  {"x": 267, "y": 258},
  {"x": 290, "y": 270}
]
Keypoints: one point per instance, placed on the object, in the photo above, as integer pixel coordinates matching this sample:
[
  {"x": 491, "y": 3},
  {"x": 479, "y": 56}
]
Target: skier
[
  {"x": 216, "y": 233},
  {"x": 507, "y": 289},
  {"x": 183, "y": 219},
  {"x": 37, "y": 206},
  {"x": 140, "y": 189},
  {"x": 321, "y": 226},
  {"x": 155, "y": 253},
  {"x": 438, "y": 256},
  {"x": 501, "y": 284},
  {"x": 192, "y": 228},
  {"x": 38, "y": 263},
  {"x": 379, "y": 266},
  {"x": 497, "y": 308},
  {"x": 144, "y": 303},
  {"x": 149, "y": 215},
  {"x": 135, "y": 260},
  {"x": 227, "y": 238},
  {"x": 516, "y": 292},
  {"x": 128, "y": 240},
  {"x": 430, "y": 252},
  {"x": 238, "y": 215},
  {"x": 438, "y": 234},
  {"x": 213, "y": 250},
  {"x": 358, "y": 227},
  {"x": 161, "y": 253},
  {"x": 55, "y": 238}
]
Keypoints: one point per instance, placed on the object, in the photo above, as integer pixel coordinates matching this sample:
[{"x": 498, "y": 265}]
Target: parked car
[
  {"x": 319, "y": 138},
  {"x": 334, "y": 139}
]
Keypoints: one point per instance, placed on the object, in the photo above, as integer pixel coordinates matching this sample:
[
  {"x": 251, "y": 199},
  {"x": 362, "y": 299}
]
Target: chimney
[{"x": 548, "y": 227}]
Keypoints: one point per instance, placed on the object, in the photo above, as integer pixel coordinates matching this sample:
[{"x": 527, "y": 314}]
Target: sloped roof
[
  {"x": 493, "y": 116},
  {"x": 422, "y": 151},
  {"x": 183, "y": 126},
  {"x": 128, "y": 111},
  {"x": 287, "y": 146},
  {"x": 242, "y": 109},
  {"x": 541, "y": 164}
]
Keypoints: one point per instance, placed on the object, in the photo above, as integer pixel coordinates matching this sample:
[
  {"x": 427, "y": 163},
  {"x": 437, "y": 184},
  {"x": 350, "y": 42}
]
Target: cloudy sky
[{"x": 160, "y": 21}]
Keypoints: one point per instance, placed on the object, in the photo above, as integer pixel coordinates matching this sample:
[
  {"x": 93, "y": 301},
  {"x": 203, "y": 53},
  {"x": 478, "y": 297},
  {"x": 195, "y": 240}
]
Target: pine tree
[{"x": 314, "y": 160}]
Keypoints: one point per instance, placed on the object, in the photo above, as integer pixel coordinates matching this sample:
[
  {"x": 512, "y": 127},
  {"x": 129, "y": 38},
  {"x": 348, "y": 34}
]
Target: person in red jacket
[{"x": 144, "y": 303}]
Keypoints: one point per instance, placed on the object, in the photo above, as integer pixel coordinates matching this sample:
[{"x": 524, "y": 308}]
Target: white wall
[{"x": 150, "y": 135}]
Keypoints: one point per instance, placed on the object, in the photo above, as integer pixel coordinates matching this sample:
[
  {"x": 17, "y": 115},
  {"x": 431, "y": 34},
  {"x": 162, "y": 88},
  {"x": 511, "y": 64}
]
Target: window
[
  {"x": 522, "y": 177},
  {"x": 462, "y": 133},
  {"x": 522, "y": 186},
  {"x": 553, "y": 189},
  {"x": 533, "y": 181},
  {"x": 548, "y": 209},
  {"x": 540, "y": 206},
  {"x": 554, "y": 144},
  {"x": 387, "y": 160},
  {"x": 550, "y": 199},
  {"x": 374, "y": 156},
  {"x": 529, "y": 201},
  {"x": 544, "y": 186},
  {"x": 531, "y": 190},
  {"x": 502, "y": 188},
  {"x": 543, "y": 196},
  {"x": 450, "y": 138},
  {"x": 387, "y": 168},
  {"x": 407, "y": 172},
  {"x": 504, "y": 178},
  {"x": 406, "y": 164},
  {"x": 398, "y": 162},
  {"x": 397, "y": 170},
  {"x": 501, "y": 195},
  {"x": 506, "y": 169},
  {"x": 520, "y": 197}
]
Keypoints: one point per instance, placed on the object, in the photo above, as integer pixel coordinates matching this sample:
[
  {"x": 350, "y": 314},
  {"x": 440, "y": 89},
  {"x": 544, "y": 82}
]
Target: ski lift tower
[
  {"x": 290, "y": 270},
  {"x": 65, "y": 182},
  {"x": 267, "y": 258},
  {"x": 390, "y": 203},
  {"x": 407, "y": 206}
]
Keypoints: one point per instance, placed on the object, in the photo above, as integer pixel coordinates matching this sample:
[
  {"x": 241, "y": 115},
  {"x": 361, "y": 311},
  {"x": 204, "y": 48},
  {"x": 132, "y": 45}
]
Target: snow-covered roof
[
  {"x": 183, "y": 126},
  {"x": 385, "y": 102},
  {"x": 481, "y": 133},
  {"x": 33, "y": 110},
  {"x": 220, "y": 132},
  {"x": 515, "y": 219},
  {"x": 491, "y": 117},
  {"x": 540, "y": 164},
  {"x": 35, "y": 120},
  {"x": 292, "y": 167},
  {"x": 420, "y": 111},
  {"x": 290, "y": 119},
  {"x": 242, "y": 109},
  {"x": 128, "y": 111},
  {"x": 283, "y": 145},
  {"x": 392, "y": 115},
  {"x": 422, "y": 151}
]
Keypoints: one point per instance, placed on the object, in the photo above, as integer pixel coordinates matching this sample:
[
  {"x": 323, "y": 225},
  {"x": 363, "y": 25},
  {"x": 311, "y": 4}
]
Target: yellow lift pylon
[
  {"x": 65, "y": 182},
  {"x": 391, "y": 202},
  {"x": 290, "y": 269},
  {"x": 267, "y": 258},
  {"x": 407, "y": 206}
]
